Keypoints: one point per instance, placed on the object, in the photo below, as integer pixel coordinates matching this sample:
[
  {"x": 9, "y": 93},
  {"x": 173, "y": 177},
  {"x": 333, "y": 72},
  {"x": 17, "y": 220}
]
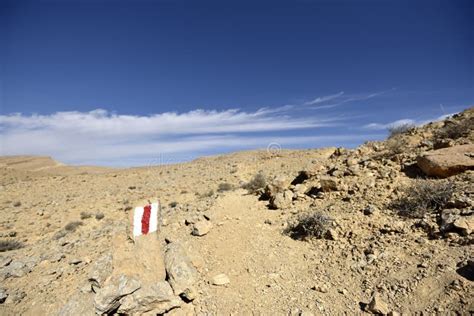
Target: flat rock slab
[{"x": 447, "y": 162}]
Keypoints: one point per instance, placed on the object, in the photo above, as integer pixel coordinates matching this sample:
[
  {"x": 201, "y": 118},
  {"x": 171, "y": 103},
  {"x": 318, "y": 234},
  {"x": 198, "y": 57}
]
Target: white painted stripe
[
  {"x": 154, "y": 218},
  {"x": 137, "y": 221}
]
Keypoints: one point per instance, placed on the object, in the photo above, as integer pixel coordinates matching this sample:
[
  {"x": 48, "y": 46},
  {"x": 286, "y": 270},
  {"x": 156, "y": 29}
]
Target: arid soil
[{"x": 374, "y": 249}]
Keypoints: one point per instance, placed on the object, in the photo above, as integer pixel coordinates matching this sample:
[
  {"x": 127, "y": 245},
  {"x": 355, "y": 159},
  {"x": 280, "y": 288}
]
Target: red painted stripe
[{"x": 146, "y": 219}]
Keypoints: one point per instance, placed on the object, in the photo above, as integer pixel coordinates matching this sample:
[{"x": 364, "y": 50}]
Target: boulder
[
  {"x": 447, "y": 162},
  {"x": 182, "y": 275},
  {"x": 108, "y": 297},
  {"x": 153, "y": 299}
]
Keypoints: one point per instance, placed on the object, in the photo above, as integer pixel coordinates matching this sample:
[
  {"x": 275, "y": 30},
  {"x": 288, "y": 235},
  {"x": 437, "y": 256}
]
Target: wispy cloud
[
  {"x": 340, "y": 98},
  {"x": 101, "y": 136},
  {"x": 324, "y": 99}
]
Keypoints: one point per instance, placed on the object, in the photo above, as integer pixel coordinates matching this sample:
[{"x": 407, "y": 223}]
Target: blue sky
[{"x": 135, "y": 82}]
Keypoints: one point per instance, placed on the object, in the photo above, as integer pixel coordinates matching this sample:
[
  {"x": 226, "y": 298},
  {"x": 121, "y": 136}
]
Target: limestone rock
[
  {"x": 100, "y": 271},
  {"x": 108, "y": 297},
  {"x": 201, "y": 228},
  {"x": 328, "y": 184},
  {"x": 377, "y": 305},
  {"x": 465, "y": 225},
  {"x": 155, "y": 299},
  {"x": 181, "y": 273},
  {"x": 281, "y": 200},
  {"x": 220, "y": 279},
  {"x": 447, "y": 161},
  {"x": 3, "y": 295},
  {"x": 78, "y": 304}
]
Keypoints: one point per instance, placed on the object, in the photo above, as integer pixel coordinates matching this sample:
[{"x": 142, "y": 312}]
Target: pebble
[
  {"x": 201, "y": 228},
  {"x": 220, "y": 279}
]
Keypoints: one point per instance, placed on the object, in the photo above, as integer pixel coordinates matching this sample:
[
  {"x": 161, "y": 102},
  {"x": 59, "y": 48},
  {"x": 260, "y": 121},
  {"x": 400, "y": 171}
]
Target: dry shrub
[
  {"x": 257, "y": 183},
  {"x": 399, "y": 129},
  {"x": 315, "y": 225},
  {"x": 422, "y": 197},
  {"x": 85, "y": 215},
  {"x": 7, "y": 245},
  {"x": 455, "y": 129},
  {"x": 224, "y": 187},
  {"x": 72, "y": 226}
]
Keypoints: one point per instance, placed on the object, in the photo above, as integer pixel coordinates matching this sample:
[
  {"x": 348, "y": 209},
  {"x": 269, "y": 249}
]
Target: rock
[
  {"x": 3, "y": 295},
  {"x": 448, "y": 217},
  {"x": 464, "y": 224},
  {"x": 153, "y": 299},
  {"x": 15, "y": 297},
  {"x": 4, "y": 261},
  {"x": 447, "y": 161},
  {"x": 321, "y": 288},
  {"x": 108, "y": 297},
  {"x": 377, "y": 305},
  {"x": 15, "y": 269},
  {"x": 201, "y": 228},
  {"x": 182, "y": 275},
  {"x": 17, "y": 204},
  {"x": 183, "y": 310},
  {"x": 328, "y": 184},
  {"x": 281, "y": 200},
  {"x": 99, "y": 272},
  {"x": 220, "y": 279},
  {"x": 369, "y": 210},
  {"x": 75, "y": 261},
  {"x": 78, "y": 304}
]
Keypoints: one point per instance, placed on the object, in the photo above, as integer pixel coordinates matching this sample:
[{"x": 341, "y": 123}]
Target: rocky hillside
[{"x": 386, "y": 228}]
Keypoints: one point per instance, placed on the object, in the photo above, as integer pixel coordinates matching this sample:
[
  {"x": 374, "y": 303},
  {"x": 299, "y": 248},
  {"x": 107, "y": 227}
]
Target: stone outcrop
[{"x": 447, "y": 162}]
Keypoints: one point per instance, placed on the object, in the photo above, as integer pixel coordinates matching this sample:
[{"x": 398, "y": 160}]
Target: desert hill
[{"x": 385, "y": 228}]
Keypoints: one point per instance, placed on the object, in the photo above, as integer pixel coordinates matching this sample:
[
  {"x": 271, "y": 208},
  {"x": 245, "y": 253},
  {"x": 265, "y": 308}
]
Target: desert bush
[
  {"x": 224, "y": 187},
  {"x": 99, "y": 216},
  {"x": 207, "y": 194},
  {"x": 422, "y": 197},
  {"x": 455, "y": 129},
  {"x": 315, "y": 225},
  {"x": 258, "y": 182},
  {"x": 72, "y": 226},
  {"x": 7, "y": 245},
  {"x": 85, "y": 215},
  {"x": 399, "y": 129}
]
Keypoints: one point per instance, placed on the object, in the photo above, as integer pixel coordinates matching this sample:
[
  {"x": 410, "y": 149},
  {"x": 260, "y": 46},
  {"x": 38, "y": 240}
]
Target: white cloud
[
  {"x": 324, "y": 99},
  {"x": 385, "y": 126},
  {"x": 100, "y": 136}
]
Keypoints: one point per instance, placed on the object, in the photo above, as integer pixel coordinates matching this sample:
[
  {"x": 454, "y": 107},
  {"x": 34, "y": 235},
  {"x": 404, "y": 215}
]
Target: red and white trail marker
[{"x": 145, "y": 219}]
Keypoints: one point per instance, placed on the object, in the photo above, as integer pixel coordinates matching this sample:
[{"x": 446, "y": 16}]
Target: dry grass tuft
[{"x": 315, "y": 225}]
